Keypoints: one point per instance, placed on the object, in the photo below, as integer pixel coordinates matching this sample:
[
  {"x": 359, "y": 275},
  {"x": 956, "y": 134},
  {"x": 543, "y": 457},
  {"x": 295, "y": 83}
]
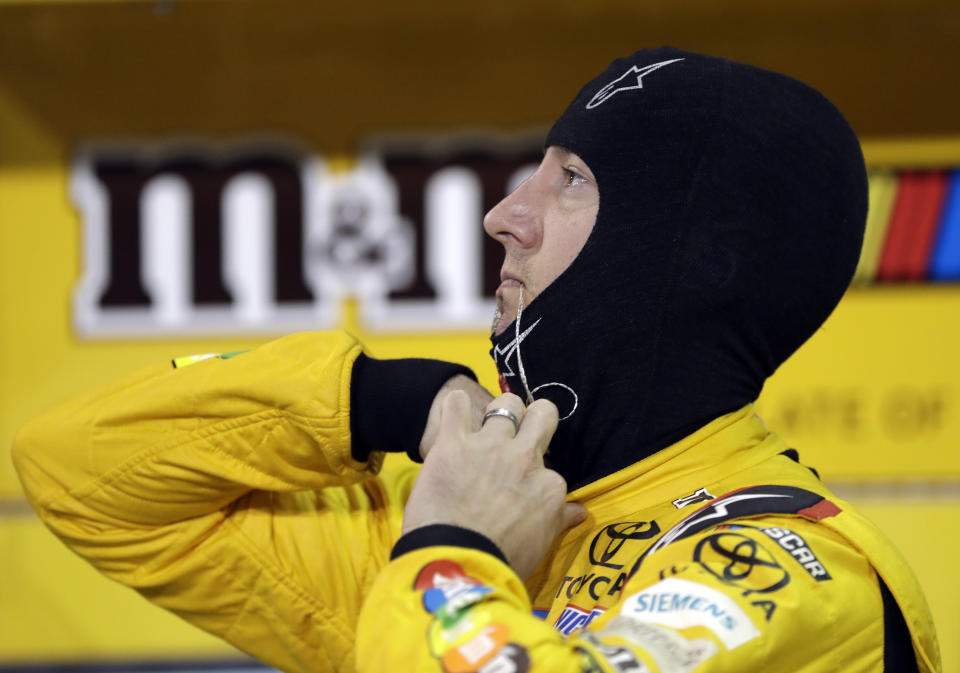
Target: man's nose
[{"x": 515, "y": 221}]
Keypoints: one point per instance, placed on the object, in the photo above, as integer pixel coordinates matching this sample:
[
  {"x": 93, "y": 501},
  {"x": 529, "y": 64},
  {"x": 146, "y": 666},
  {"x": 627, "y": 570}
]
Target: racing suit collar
[{"x": 722, "y": 447}]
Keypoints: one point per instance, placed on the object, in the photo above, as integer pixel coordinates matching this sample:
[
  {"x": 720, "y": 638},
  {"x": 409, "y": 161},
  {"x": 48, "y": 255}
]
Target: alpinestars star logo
[
  {"x": 502, "y": 355},
  {"x": 628, "y": 81}
]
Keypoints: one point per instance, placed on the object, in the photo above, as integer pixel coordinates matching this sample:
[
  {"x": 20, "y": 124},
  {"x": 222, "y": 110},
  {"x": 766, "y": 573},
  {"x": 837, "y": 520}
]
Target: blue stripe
[{"x": 946, "y": 253}]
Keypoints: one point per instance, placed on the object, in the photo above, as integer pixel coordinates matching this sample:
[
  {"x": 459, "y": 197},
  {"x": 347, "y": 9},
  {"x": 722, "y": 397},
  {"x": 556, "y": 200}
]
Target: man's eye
[{"x": 573, "y": 178}]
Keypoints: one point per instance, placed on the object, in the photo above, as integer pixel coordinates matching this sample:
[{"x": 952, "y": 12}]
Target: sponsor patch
[
  {"x": 573, "y": 618},
  {"x": 740, "y": 561},
  {"x": 513, "y": 658},
  {"x": 445, "y": 634},
  {"x": 672, "y": 652},
  {"x": 700, "y": 495},
  {"x": 680, "y": 604},
  {"x": 445, "y": 581},
  {"x": 470, "y": 656},
  {"x": 439, "y": 573},
  {"x": 459, "y": 602},
  {"x": 798, "y": 548},
  {"x": 622, "y": 659},
  {"x": 434, "y": 599}
]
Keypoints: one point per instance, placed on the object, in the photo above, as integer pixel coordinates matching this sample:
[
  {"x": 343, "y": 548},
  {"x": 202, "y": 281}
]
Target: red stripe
[
  {"x": 821, "y": 510},
  {"x": 913, "y": 226}
]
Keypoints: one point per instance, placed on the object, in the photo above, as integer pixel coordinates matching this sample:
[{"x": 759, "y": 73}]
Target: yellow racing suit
[{"x": 226, "y": 492}]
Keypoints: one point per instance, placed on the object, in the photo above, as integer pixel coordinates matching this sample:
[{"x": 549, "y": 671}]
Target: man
[{"x": 692, "y": 223}]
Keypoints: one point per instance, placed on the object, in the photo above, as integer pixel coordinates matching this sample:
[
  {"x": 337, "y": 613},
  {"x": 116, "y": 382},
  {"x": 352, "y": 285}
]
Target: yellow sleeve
[
  {"x": 275, "y": 418},
  {"x": 225, "y": 491},
  {"x": 730, "y": 599}
]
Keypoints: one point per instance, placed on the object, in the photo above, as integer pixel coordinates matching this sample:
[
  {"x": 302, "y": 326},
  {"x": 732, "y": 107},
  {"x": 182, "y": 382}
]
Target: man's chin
[
  {"x": 508, "y": 300},
  {"x": 501, "y": 321},
  {"x": 498, "y": 325}
]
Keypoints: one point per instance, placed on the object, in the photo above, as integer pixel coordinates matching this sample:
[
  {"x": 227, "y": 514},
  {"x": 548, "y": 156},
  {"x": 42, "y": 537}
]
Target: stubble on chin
[{"x": 497, "y": 315}]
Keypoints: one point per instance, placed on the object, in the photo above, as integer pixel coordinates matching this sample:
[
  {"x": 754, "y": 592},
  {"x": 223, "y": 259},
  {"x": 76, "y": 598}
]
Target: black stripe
[
  {"x": 898, "y": 654},
  {"x": 440, "y": 534}
]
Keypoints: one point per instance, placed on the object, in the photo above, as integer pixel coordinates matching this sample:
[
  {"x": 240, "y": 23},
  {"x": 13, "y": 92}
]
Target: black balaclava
[{"x": 732, "y": 207}]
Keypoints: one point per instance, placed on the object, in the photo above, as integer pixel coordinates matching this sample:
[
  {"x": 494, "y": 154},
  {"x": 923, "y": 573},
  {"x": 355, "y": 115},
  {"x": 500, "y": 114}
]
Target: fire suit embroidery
[
  {"x": 741, "y": 503},
  {"x": 740, "y": 561},
  {"x": 798, "y": 548},
  {"x": 794, "y": 544},
  {"x": 596, "y": 585},
  {"x": 700, "y": 495},
  {"x": 608, "y": 543}
]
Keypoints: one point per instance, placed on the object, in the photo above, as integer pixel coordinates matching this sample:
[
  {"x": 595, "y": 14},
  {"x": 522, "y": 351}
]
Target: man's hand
[
  {"x": 479, "y": 398},
  {"x": 490, "y": 481}
]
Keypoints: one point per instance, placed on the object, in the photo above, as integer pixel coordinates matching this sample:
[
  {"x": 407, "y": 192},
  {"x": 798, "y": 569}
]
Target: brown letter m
[{"x": 124, "y": 180}]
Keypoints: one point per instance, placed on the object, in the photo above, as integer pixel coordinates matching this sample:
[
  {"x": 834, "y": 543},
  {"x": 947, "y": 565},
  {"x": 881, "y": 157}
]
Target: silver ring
[{"x": 506, "y": 413}]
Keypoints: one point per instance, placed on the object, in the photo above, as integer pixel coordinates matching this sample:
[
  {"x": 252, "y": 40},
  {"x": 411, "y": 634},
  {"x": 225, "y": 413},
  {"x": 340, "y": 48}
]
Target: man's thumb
[{"x": 573, "y": 514}]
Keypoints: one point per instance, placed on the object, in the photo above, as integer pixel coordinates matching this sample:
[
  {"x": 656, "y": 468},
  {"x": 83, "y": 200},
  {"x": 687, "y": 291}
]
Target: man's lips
[
  {"x": 508, "y": 280},
  {"x": 509, "y": 283}
]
